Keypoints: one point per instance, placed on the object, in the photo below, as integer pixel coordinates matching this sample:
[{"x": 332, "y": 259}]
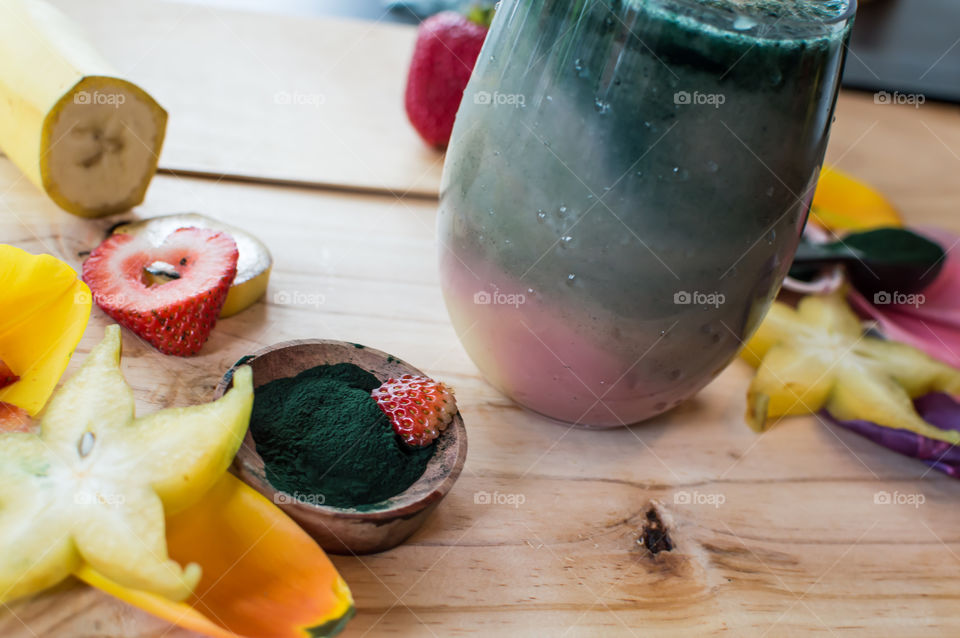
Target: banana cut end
[{"x": 100, "y": 145}]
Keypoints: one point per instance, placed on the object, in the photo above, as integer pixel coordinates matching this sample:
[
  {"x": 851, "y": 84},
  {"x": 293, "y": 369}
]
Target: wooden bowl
[{"x": 338, "y": 530}]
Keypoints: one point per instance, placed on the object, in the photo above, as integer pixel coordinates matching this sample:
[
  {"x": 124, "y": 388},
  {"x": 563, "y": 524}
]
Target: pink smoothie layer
[{"x": 561, "y": 362}]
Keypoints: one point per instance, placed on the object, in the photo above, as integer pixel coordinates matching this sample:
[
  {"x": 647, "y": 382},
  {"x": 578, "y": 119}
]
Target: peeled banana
[{"x": 87, "y": 137}]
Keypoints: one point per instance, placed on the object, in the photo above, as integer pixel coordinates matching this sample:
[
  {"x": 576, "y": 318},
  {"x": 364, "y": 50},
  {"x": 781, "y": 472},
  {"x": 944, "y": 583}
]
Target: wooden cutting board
[{"x": 284, "y": 98}]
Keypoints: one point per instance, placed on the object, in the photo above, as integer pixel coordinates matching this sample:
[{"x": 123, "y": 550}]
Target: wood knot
[{"x": 654, "y": 535}]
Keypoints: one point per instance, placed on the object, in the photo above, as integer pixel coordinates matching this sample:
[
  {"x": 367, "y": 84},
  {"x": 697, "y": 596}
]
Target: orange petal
[
  {"x": 45, "y": 311},
  {"x": 263, "y": 576},
  {"x": 843, "y": 203}
]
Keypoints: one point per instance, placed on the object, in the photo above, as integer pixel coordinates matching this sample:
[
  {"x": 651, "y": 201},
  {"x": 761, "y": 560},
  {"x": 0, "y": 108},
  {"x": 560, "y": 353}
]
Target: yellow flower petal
[
  {"x": 44, "y": 308},
  {"x": 843, "y": 203}
]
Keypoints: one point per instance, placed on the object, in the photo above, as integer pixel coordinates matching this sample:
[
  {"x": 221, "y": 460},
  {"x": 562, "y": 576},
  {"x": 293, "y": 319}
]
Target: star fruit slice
[
  {"x": 817, "y": 356},
  {"x": 92, "y": 488}
]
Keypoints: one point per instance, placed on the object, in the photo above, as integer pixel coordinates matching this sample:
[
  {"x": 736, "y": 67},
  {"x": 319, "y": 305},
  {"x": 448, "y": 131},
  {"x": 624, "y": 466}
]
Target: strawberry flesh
[
  {"x": 174, "y": 316},
  {"x": 418, "y": 407},
  {"x": 445, "y": 52},
  {"x": 13, "y": 418}
]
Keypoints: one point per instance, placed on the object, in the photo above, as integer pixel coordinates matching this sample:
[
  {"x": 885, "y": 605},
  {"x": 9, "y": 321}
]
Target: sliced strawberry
[
  {"x": 419, "y": 408},
  {"x": 177, "y": 315},
  {"x": 6, "y": 375},
  {"x": 13, "y": 418}
]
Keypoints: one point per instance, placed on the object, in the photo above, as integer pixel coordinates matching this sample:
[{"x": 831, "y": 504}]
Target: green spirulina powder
[{"x": 323, "y": 437}]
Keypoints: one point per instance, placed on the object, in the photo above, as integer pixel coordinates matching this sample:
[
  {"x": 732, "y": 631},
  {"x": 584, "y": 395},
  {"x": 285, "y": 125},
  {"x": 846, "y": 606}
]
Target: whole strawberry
[
  {"x": 444, "y": 55},
  {"x": 169, "y": 295},
  {"x": 419, "y": 408}
]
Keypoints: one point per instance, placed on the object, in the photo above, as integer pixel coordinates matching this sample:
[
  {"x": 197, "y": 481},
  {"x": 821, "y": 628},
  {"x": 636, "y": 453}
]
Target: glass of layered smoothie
[{"x": 625, "y": 188}]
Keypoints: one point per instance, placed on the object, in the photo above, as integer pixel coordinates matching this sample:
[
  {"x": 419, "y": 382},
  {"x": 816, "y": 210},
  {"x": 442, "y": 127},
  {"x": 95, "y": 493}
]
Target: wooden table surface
[{"x": 774, "y": 535}]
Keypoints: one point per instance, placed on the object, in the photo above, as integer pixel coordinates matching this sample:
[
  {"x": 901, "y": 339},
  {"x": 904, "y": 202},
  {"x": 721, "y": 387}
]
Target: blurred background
[{"x": 910, "y": 46}]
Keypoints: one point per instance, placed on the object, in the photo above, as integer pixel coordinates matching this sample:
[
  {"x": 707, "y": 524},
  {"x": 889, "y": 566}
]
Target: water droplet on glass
[
  {"x": 663, "y": 333},
  {"x": 563, "y": 209},
  {"x": 601, "y": 106},
  {"x": 549, "y": 99},
  {"x": 712, "y": 166},
  {"x": 570, "y": 278},
  {"x": 742, "y": 23},
  {"x": 770, "y": 192},
  {"x": 771, "y": 236},
  {"x": 490, "y": 211},
  {"x": 541, "y": 215},
  {"x": 639, "y": 173},
  {"x": 566, "y": 239}
]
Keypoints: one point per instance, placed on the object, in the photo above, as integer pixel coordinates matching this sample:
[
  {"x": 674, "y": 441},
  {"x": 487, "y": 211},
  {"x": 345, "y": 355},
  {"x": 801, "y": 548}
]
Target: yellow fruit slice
[
  {"x": 253, "y": 265},
  {"x": 91, "y": 488},
  {"x": 818, "y": 357},
  {"x": 44, "y": 309},
  {"x": 88, "y": 138},
  {"x": 843, "y": 203}
]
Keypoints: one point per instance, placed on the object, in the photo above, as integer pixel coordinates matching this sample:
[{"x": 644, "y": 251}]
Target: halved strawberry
[
  {"x": 419, "y": 408},
  {"x": 175, "y": 316},
  {"x": 7, "y": 375}
]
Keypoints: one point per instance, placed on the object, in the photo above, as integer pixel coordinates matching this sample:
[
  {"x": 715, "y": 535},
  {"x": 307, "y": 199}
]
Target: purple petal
[{"x": 936, "y": 408}]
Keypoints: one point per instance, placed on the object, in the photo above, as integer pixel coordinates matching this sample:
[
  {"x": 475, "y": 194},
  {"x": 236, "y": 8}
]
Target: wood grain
[
  {"x": 774, "y": 535},
  {"x": 254, "y": 96}
]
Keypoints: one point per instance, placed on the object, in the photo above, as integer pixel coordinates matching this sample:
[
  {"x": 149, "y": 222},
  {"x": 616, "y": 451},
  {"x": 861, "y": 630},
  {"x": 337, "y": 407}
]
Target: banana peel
[
  {"x": 263, "y": 576},
  {"x": 817, "y": 357},
  {"x": 45, "y": 311},
  {"x": 842, "y": 203},
  {"x": 87, "y": 137}
]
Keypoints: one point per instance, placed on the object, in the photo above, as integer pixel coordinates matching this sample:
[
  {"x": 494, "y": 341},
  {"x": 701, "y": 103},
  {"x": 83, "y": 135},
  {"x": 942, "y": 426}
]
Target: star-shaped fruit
[
  {"x": 817, "y": 356},
  {"x": 92, "y": 488}
]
